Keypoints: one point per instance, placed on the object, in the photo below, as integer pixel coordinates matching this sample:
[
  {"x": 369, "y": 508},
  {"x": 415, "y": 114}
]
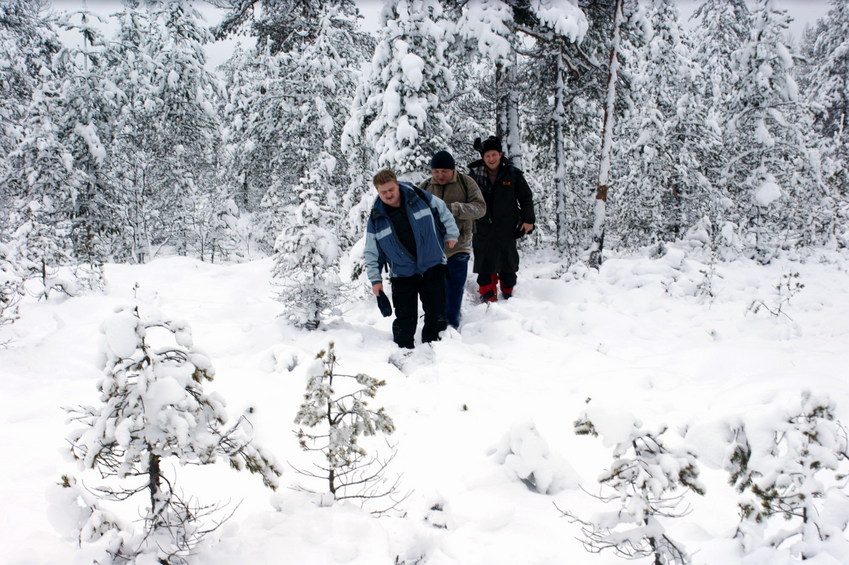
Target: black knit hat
[
  {"x": 488, "y": 144},
  {"x": 442, "y": 160}
]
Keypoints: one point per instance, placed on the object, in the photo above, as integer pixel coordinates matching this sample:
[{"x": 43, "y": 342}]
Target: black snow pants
[{"x": 406, "y": 292}]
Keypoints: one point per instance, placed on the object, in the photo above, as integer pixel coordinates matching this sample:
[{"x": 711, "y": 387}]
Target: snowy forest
[
  {"x": 631, "y": 131},
  {"x": 679, "y": 332}
]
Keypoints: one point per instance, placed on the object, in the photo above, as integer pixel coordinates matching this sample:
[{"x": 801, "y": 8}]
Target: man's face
[
  {"x": 389, "y": 193},
  {"x": 442, "y": 176},
  {"x": 492, "y": 159}
]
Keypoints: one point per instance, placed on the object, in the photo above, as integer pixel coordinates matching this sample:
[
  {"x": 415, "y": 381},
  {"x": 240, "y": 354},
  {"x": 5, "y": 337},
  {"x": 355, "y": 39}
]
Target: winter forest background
[
  {"x": 127, "y": 147},
  {"x": 680, "y": 170}
]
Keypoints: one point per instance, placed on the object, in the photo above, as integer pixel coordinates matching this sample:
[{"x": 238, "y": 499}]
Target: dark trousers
[
  {"x": 406, "y": 292},
  {"x": 457, "y": 270}
]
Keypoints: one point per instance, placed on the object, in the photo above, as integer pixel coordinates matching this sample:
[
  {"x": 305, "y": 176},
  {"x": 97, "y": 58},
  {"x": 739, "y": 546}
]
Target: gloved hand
[{"x": 384, "y": 304}]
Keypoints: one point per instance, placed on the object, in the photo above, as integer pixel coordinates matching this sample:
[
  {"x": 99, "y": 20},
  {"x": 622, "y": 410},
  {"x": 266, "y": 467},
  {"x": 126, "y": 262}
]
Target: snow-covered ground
[{"x": 642, "y": 338}]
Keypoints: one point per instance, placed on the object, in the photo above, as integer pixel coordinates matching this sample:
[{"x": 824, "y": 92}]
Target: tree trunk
[
  {"x": 507, "y": 109},
  {"x": 154, "y": 474},
  {"x": 600, "y": 211},
  {"x": 560, "y": 150}
]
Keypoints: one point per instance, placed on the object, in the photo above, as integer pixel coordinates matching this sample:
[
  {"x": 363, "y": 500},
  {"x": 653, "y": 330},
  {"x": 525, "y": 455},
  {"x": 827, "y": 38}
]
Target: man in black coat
[{"x": 509, "y": 215}]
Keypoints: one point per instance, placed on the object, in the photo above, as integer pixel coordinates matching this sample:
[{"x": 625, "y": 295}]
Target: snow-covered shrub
[
  {"x": 11, "y": 288},
  {"x": 648, "y": 481},
  {"x": 526, "y": 456},
  {"x": 785, "y": 290},
  {"x": 793, "y": 465},
  {"x": 335, "y": 410},
  {"x": 153, "y": 410},
  {"x": 76, "y": 513},
  {"x": 306, "y": 261}
]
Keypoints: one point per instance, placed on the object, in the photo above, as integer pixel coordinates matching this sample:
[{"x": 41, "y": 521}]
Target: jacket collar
[{"x": 408, "y": 198}]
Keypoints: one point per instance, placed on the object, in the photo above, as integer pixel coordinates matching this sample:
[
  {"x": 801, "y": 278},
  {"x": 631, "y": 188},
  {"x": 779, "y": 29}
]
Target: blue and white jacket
[{"x": 383, "y": 246}]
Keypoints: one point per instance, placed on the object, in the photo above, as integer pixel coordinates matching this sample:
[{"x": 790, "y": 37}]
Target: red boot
[{"x": 489, "y": 292}]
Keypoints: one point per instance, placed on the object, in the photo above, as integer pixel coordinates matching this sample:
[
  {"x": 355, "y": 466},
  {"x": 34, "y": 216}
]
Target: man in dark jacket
[
  {"x": 509, "y": 214},
  {"x": 405, "y": 232},
  {"x": 463, "y": 197}
]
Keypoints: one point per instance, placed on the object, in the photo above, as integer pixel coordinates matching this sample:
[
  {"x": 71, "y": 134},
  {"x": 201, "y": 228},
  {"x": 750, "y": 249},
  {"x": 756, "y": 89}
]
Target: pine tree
[
  {"x": 187, "y": 126},
  {"x": 552, "y": 98},
  {"x": 795, "y": 471},
  {"x": 336, "y": 414},
  {"x": 84, "y": 117},
  {"x": 11, "y": 288},
  {"x": 260, "y": 159},
  {"x": 45, "y": 182},
  {"x": 133, "y": 163},
  {"x": 720, "y": 29},
  {"x": 491, "y": 25},
  {"x": 649, "y": 478},
  {"x": 321, "y": 78},
  {"x": 39, "y": 179},
  {"x": 154, "y": 410},
  {"x": 661, "y": 193}
]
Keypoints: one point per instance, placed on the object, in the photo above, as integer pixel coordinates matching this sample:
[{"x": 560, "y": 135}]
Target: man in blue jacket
[{"x": 408, "y": 230}]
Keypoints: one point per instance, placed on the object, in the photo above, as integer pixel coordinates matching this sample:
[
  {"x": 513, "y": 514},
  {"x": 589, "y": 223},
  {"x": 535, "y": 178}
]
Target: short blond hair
[{"x": 384, "y": 176}]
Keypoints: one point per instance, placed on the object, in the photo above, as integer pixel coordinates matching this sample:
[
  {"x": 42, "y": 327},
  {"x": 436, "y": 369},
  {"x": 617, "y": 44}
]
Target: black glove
[
  {"x": 519, "y": 232},
  {"x": 384, "y": 305}
]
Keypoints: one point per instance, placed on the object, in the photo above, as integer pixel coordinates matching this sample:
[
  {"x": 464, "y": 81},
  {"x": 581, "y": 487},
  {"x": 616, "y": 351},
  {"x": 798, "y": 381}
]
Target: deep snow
[{"x": 638, "y": 338}]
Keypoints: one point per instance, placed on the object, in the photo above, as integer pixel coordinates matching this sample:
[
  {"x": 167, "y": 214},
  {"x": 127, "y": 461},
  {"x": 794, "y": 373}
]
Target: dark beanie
[
  {"x": 491, "y": 143},
  {"x": 442, "y": 160}
]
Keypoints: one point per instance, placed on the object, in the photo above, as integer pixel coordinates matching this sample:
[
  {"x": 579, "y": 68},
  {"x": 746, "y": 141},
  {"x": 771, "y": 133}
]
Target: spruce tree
[
  {"x": 770, "y": 174},
  {"x": 659, "y": 188},
  {"x": 306, "y": 262},
  {"x": 397, "y": 111},
  {"x": 824, "y": 78}
]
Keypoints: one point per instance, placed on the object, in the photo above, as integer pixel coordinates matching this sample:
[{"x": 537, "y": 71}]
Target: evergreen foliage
[
  {"x": 306, "y": 262},
  {"x": 11, "y": 288},
  {"x": 659, "y": 160},
  {"x": 154, "y": 411},
  {"x": 397, "y": 111},
  {"x": 771, "y": 173},
  {"x": 649, "y": 478},
  {"x": 129, "y": 146},
  {"x": 336, "y": 413},
  {"x": 794, "y": 472},
  {"x": 824, "y": 79}
]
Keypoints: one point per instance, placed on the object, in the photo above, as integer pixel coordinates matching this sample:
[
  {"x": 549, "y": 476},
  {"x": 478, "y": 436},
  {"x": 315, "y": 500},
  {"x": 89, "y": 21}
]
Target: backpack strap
[
  {"x": 426, "y": 196},
  {"x": 463, "y": 184}
]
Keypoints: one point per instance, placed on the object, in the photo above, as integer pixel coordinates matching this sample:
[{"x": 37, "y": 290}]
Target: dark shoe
[
  {"x": 507, "y": 293},
  {"x": 489, "y": 296}
]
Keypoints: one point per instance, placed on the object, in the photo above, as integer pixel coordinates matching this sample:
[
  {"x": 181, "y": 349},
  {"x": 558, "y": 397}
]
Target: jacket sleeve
[
  {"x": 525, "y": 199},
  {"x": 373, "y": 256},
  {"x": 475, "y": 206},
  {"x": 452, "y": 232}
]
